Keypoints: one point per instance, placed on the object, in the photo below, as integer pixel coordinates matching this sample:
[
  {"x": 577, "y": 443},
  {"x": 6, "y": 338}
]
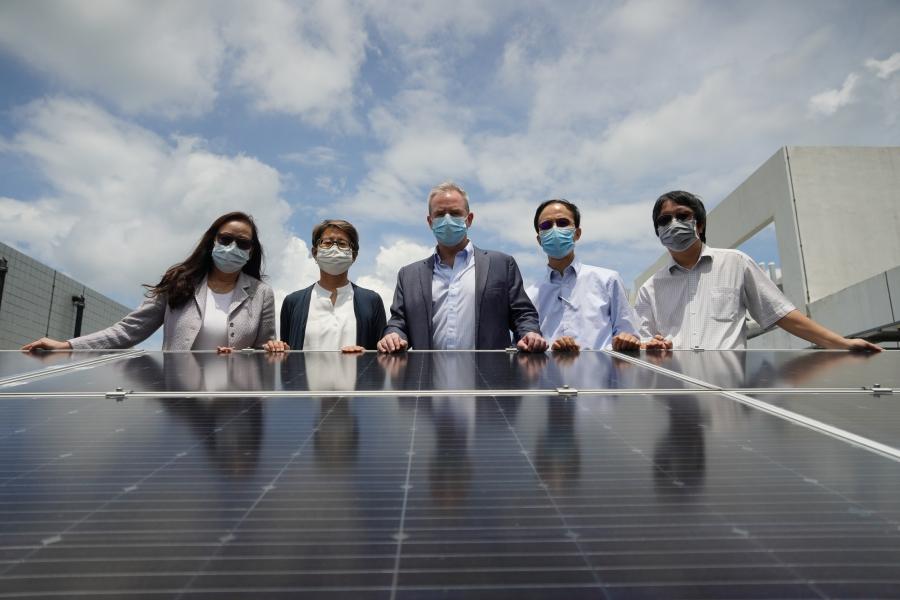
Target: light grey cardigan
[{"x": 251, "y": 320}]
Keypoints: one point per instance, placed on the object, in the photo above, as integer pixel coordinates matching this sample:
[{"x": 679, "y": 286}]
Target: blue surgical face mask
[
  {"x": 678, "y": 236},
  {"x": 230, "y": 258},
  {"x": 558, "y": 242},
  {"x": 449, "y": 230}
]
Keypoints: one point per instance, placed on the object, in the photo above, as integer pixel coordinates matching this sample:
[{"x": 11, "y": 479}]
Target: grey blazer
[
  {"x": 251, "y": 319},
  {"x": 501, "y": 303}
]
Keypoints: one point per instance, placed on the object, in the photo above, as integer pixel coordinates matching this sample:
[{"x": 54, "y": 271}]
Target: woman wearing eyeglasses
[
  {"x": 213, "y": 300},
  {"x": 332, "y": 314}
]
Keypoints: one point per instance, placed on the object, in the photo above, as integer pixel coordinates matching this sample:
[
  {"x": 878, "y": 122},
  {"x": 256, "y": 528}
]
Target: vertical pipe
[
  {"x": 4, "y": 267},
  {"x": 78, "y": 301}
]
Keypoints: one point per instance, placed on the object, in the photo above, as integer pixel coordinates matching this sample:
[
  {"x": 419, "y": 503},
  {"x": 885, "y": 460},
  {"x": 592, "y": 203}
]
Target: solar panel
[
  {"x": 444, "y": 475},
  {"x": 819, "y": 369},
  {"x": 20, "y": 365}
]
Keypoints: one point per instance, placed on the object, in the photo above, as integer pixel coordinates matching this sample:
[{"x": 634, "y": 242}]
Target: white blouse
[
  {"x": 214, "y": 330},
  {"x": 330, "y": 326}
]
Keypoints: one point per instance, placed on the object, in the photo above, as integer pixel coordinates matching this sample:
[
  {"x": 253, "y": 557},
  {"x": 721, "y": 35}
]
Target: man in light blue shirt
[
  {"x": 461, "y": 297},
  {"x": 453, "y": 298},
  {"x": 579, "y": 306}
]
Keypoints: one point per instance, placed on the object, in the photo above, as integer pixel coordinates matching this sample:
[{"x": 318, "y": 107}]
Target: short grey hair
[{"x": 443, "y": 188}]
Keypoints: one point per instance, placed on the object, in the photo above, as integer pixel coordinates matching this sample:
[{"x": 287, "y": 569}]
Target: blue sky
[{"x": 126, "y": 127}]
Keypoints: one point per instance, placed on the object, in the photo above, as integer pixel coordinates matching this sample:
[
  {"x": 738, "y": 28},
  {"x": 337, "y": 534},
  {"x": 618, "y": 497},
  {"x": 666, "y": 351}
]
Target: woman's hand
[
  {"x": 352, "y": 349},
  {"x": 224, "y": 349},
  {"x": 46, "y": 343},
  {"x": 276, "y": 346}
]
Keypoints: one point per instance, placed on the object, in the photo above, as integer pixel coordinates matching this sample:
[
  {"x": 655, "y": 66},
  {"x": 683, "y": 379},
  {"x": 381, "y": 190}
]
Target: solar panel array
[{"x": 744, "y": 474}]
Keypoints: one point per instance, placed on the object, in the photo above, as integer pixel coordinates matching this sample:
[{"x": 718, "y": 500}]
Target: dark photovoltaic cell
[
  {"x": 876, "y": 417},
  {"x": 333, "y": 371},
  {"x": 645, "y": 495},
  {"x": 802, "y": 369},
  {"x": 15, "y": 363}
]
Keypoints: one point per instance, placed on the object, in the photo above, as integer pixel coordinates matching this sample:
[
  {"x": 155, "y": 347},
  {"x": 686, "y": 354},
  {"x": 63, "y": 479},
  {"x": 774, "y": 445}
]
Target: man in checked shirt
[{"x": 701, "y": 298}]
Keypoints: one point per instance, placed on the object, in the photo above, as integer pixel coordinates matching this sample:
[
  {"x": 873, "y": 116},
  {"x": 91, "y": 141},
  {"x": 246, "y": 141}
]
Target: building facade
[{"x": 37, "y": 301}]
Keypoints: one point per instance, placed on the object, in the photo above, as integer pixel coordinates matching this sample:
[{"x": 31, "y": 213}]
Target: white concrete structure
[{"x": 836, "y": 212}]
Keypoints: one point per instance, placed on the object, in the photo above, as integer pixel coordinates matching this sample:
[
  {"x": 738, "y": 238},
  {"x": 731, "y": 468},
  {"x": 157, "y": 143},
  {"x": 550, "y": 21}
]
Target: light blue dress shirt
[
  {"x": 584, "y": 302},
  {"x": 453, "y": 301}
]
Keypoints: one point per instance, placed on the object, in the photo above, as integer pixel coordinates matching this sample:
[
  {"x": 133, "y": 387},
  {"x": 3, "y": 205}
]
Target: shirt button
[
  {"x": 232, "y": 324},
  {"x": 232, "y": 334}
]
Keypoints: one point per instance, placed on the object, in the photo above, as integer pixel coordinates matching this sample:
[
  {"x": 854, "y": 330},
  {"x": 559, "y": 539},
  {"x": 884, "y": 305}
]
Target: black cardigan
[{"x": 367, "y": 306}]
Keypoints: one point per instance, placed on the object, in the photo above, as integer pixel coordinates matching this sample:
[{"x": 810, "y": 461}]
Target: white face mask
[
  {"x": 230, "y": 258},
  {"x": 334, "y": 261}
]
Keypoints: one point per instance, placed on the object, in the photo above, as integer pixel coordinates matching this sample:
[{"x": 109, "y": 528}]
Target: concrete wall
[
  {"x": 37, "y": 302},
  {"x": 848, "y": 208}
]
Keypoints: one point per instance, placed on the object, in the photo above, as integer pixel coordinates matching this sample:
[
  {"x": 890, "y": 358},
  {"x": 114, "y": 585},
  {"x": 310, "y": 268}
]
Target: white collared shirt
[
  {"x": 330, "y": 326},
  {"x": 587, "y": 303},
  {"x": 706, "y": 306},
  {"x": 453, "y": 301}
]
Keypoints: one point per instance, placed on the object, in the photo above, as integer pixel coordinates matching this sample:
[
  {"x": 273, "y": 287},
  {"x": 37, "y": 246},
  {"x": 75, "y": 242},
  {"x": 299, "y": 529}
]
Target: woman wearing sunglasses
[
  {"x": 332, "y": 314},
  {"x": 213, "y": 300}
]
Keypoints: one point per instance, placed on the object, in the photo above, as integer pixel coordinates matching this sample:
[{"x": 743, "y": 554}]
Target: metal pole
[
  {"x": 4, "y": 267},
  {"x": 78, "y": 301}
]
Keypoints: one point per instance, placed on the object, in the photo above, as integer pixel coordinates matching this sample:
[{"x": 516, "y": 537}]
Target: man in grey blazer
[{"x": 460, "y": 297}]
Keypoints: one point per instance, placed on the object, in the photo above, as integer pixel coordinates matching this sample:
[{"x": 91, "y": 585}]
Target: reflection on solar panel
[{"x": 450, "y": 475}]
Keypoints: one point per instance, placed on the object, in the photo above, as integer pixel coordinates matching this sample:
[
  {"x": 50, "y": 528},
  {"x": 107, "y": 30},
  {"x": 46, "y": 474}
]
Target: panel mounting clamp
[
  {"x": 566, "y": 391},
  {"x": 878, "y": 389},
  {"x": 118, "y": 395}
]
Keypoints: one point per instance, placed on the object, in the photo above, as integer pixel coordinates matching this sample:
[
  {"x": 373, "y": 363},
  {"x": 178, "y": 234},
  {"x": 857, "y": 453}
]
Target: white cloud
[
  {"x": 170, "y": 57},
  {"x": 388, "y": 262},
  {"x": 317, "y": 156},
  {"x": 830, "y": 101},
  {"x": 161, "y": 57},
  {"x": 125, "y": 204},
  {"x": 418, "y": 20},
  {"x": 424, "y": 145},
  {"x": 884, "y": 68},
  {"x": 298, "y": 58}
]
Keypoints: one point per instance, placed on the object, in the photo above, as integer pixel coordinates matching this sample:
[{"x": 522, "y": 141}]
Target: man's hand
[
  {"x": 353, "y": 349},
  {"x": 565, "y": 344},
  {"x": 658, "y": 342},
  {"x": 392, "y": 342},
  {"x": 626, "y": 341},
  {"x": 858, "y": 345},
  {"x": 276, "y": 346},
  {"x": 532, "y": 342},
  {"x": 46, "y": 343}
]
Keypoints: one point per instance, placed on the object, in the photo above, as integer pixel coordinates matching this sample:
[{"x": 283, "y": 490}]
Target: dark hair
[
  {"x": 180, "y": 281},
  {"x": 572, "y": 208},
  {"x": 683, "y": 199},
  {"x": 345, "y": 226}
]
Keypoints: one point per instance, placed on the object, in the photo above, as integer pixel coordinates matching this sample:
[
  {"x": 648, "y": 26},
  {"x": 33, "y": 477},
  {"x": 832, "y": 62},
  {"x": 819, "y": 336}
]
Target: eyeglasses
[
  {"x": 341, "y": 244},
  {"x": 226, "y": 239},
  {"x": 560, "y": 222},
  {"x": 664, "y": 220}
]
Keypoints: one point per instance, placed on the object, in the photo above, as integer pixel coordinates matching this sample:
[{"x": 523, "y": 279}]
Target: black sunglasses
[
  {"x": 664, "y": 220},
  {"x": 560, "y": 222},
  {"x": 226, "y": 239}
]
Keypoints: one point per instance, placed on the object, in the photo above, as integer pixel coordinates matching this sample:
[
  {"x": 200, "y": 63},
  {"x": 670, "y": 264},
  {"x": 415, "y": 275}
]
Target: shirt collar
[
  {"x": 341, "y": 291},
  {"x": 574, "y": 267},
  {"x": 674, "y": 266},
  {"x": 466, "y": 253}
]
